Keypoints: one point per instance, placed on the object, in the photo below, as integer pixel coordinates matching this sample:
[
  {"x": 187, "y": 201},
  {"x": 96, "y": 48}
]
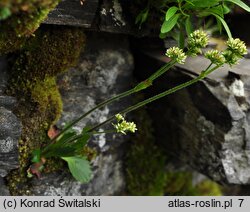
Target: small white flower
[
  {"x": 197, "y": 40},
  {"x": 231, "y": 58},
  {"x": 235, "y": 51},
  {"x": 177, "y": 54},
  {"x": 237, "y": 46},
  {"x": 119, "y": 117},
  {"x": 215, "y": 57},
  {"x": 123, "y": 126}
]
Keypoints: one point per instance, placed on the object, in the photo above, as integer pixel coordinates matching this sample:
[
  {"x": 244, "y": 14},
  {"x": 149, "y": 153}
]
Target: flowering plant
[
  {"x": 68, "y": 145},
  {"x": 178, "y": 16}
]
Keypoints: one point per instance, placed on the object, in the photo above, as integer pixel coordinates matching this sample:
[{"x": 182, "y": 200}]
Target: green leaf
[
  {"x": 219, "y": 25},
  {"x": 60, "y": 151},
  {"x": 201, "y": 4},
  {"x": 79, "y": 168},
  {"x": 188, "y": 26},
  {"x": 240, "y": 4},
  {"x": 163, "y": 35},
  {"x": 4, "y": 13},
  {"x": 65, "y": 136},
  {"x": 71, "y": 147},
  {"x": 86, "y": 129},
  {"x": 142, "y": 17},
  {"x": 226, "y": 9},
  {"x": 181, "y": 40},
  {"x": 138, "y": 18},
  {"x": 170, "y": 12},
  {"x": 217, "y": 10},
  {"x": 189, "y": 1},
  {"x": 168, "y": 25},
  {"x": 36, "y": 156},
  {"x": 80, "y": 142},
  {"x": 53, "y": 149},
  {"x": 224, "y": 24},
  {"x": 68, "y": 144}
]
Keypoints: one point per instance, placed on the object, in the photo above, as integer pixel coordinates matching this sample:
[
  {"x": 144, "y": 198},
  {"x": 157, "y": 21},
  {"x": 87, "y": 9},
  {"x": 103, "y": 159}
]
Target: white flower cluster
[
  {"x": 177, "y": 54},
  {"x": 235, "y": 51},
  {"x": 237, "y": 46},
  {"x": 197, "y": 40},
  {"x": 122, "y": 125},
  {"x": 215, "y": 57}
]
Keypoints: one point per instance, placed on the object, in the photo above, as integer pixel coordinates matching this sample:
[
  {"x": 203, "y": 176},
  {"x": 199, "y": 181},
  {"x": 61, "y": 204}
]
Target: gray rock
[
  {"x": 106, "y": 169},
  {"x": 10, "y": 127},
  {"x": 8, "y": 102},
  {"x": 103, "y": 71},
  {"x": 207, "y": 125},
  {"x": 74, "y": 13},
  {"x": 3, "y": 74},
  {"x": 3, "y": 189},
  {"x": 116, "y": 16},
  {"x": 10, "y": 131}
]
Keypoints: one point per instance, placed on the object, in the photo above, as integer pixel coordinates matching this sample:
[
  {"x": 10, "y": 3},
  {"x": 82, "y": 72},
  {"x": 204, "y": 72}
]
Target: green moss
[
  {"x": 24, "y": 17},
  {"x": 4, "y": 13},
  {"x": 89, "y": 153},
  {"x": 181, "y": 184},
  {"x": 208, "y": 188},
  {"x": 52, "y": 51},
  {"x": 53, "y": 165},
  {"x": 145, "y": 172},
  {"x": 33, "y": 82},
  {"x": 46, "y": 94}
]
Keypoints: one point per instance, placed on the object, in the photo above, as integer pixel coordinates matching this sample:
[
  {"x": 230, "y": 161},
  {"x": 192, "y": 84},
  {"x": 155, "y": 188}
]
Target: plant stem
[
  {"x": 172, "y": 90},
  {"x": 162, "y": 70},
  {"x": 122, "y": 95},
  {"x": 161, "y": 95},
  {"x": 101, "y": 124},
  {"x": 71, "y": 139},
  {"x": 180, "y": 8},
  {"x": 141, "y": 86}
]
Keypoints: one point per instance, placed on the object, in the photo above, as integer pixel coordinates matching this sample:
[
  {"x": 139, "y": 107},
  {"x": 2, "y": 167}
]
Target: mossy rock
[
  {"x": 208, "y": 188},
  {"x": 181, "y": 184},
  {"x": 53, "y": 50},
  {"x": 33, "y": 73},
  {"x": 178, "y": 183},
  {"x": 19, "y": 19},
  {"x": 145, "y": 166}
]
